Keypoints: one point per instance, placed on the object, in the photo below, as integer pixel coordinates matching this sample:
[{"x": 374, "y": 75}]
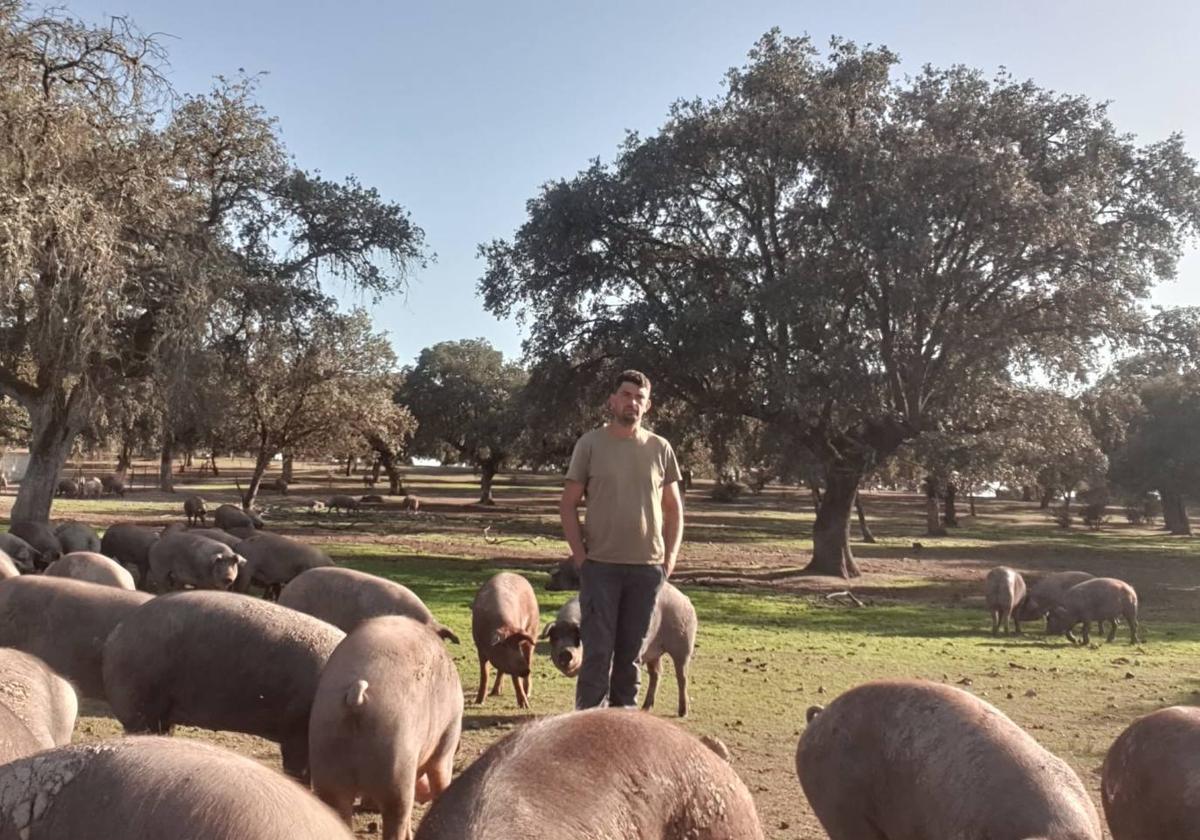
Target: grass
[{"x": 771, "y": 643}]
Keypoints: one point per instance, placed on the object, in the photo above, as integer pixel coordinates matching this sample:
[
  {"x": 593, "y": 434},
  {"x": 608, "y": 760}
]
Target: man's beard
[{"x": 627, "y": 419}]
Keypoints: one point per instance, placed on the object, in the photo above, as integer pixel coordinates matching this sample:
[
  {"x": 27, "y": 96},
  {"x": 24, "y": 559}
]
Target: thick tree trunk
[
  {"x": 971, "y": 502},
  {"x": 376, "y": 468},
  {"x": 1175, "y": 518},
  {"x": 52, "y": 435},
  {"x": 933, "y": 519},
  {"x": 289, "y": 465},
  {"x": 831, "y": 530},
  {"x": 863, "y": 528},
  {"x": 488, "y": 471},
  {"x": 1026, "y": 493},
  {"x": 1046, "y": 498},
  {"x": 166, "y": 478},
  {"x": 815, "y": 490},
  {"x": 390, "y": 461},
  {"x": 212, "y": 464},
  {"x": 125, "y": 458},
  {"x": 950, "y": 516},
  {"x": 349, "y": 465}
]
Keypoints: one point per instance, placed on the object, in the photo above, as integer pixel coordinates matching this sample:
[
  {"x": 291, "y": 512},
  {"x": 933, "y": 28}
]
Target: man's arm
[
  {"x": 568, "y": 511},
  {"x": 672, "y": 505}
]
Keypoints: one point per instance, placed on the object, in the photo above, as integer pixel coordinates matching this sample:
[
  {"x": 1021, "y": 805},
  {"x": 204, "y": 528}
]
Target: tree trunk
[
  {"x": 349, "y": 465},
  {"x": 1185, "y": 524},
  {"x": 289, "y": 465},
  {"x": 51, "y": 437},
  {"x": 1026, "y": 493},
  {"x": 933, "y": 519},
  {"x": 864, "y": 530},
  {"x": 376, "y": 468},
  {"x": 950, "y": 517},
  {"x": 831, "y": 530},
  {"x": 260, "y": 467},
  {"x": 187, "y": 458},
  {"x": 166, "y": 479},
  {"x": 212, "y": 463},
  {"x": 815, "y": 490},
  {"x": 1046, "y": 498},
  {"x": 125, "y": 459},
  {"x": 1065, "y": 521},
  {"x": 1175, "y": 518},
  {"x": 488, "y": 470},
  {"x": 971, "y": 502}
]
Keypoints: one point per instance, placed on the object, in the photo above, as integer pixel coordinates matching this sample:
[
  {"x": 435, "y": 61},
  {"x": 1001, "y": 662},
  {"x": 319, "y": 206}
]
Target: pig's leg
[
  {"x": 1016, "y": 617},
  {"x": 1112, "y": 630},
  {"x": 1087, "y": 638},
  {"x": 439, "y": 769},
  {"x": 1131, "y": 618},
  {"x": 996, "y": 622},
  {"x": 654, "y": 667},
  {"x": 483, "y": 679},
  {"x": 340, "y": 802},
  {"x": 681, "y": 677},
  {"x": 499, "y": 680},
  {"x": 519, "y": 688},
  {"x": 397, "y": 808},
  {"x": 529, "y": 673},
  {"x": 294, "y": 750}
]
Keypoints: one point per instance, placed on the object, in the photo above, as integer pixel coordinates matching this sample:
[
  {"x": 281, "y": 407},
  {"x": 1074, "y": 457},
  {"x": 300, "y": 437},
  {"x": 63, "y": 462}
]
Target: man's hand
[
  {"x": 669, "y": 567},
  {"x": 577, "y": 559}
]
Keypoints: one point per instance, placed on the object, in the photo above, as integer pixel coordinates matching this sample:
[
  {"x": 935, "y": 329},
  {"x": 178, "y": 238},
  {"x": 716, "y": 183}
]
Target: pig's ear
[
  {"x": 241, "y": 560},
  {"x": 520, "y": 638},
  {"x": 501, "y": 635},
  {"x": 546, "y": 632}
]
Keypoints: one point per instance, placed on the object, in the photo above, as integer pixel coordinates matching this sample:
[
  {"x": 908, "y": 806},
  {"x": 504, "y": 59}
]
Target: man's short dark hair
[{"x": 635, "y": 376}]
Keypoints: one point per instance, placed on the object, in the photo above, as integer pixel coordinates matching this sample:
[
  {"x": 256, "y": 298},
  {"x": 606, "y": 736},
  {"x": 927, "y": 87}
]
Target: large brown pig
[
  {"x": 601, "y": 774},
  {"x": 272, "y": 560},
  {"x": 180, "y": 559},
  {"x": 672, "y": 631},
  {"x": 388, "y": 712},
  {"x": 912, "y": 760},
  {"x": 346, "y": 597},
  {"x": 1150, "y": 784},
  {"x": 219, "y": 661},
  {"x": 43, "y": 701},
  {"x": 129, "y": 545},
  {"x": 64, "y": 622},
  {"x": 92, "y": 567},
  {"x": 1047, "y": 592},
  {"x": 1004, "y": 592},
  {"x": 1098, "y": 600},
  {"x": 504, "y": 625},
  {"x": 141, "y": 788}
]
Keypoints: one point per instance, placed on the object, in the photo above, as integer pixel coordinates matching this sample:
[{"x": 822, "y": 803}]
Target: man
[{"x": 634, "y": 528}]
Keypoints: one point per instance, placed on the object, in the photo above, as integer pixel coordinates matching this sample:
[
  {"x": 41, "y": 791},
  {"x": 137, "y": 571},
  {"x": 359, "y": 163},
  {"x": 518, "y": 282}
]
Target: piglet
[{"x": 504, "y": 624}]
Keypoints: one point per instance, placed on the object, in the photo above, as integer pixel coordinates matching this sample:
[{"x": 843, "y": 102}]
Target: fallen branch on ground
[{"x": 846, "y": 593}]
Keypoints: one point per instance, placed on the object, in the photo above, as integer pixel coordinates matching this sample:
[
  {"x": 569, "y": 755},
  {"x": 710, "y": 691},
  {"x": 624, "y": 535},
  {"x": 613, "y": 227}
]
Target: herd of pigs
[{"x": 349, "y": 673}]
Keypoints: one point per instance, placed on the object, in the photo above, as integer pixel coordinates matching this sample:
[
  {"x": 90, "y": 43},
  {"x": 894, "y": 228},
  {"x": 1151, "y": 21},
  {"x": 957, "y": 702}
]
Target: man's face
[{"x": 629, "y": 403}]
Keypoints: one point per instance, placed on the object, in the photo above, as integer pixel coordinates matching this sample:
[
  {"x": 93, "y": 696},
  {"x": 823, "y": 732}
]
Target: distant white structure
[{"x": 14, "y": 463}]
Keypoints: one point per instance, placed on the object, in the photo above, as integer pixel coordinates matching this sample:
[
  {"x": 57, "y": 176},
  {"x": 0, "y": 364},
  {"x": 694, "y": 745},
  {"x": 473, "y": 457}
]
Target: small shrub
[
  {"x": 1095, "y": 515},
  {"x": 1143, "y": 511},
  {"x": 1062, "y": 515},
  {"x": 727, "y": 490}
]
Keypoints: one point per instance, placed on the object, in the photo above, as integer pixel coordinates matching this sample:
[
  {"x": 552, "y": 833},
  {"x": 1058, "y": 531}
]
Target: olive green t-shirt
[{"x": 624, "y": 480}]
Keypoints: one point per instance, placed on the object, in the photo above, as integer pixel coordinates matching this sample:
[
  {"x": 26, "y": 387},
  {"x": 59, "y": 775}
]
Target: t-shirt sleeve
[
  {"x": 670, "y": 465},
  {"x": 581, "y": 459}
]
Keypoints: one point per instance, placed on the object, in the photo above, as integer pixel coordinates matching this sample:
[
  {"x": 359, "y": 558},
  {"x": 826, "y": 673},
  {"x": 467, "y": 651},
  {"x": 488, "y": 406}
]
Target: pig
[
  {"x": 130, "y": 545},
  {"x": 92, "y": 567},
  {"x": 20, "y": 552},
  {"x": 75, "y": 536},
  {"x": 672, "y": 631},
  {"x": 347, "y": 504},
  {"x": 231, "y": 516},
  {"x": 907, "y": 759},
  {"x": 8, "y": 568},
  {"x": 113, "y": 485},
  {"x": 600, "y": 773},
  {"x": 65, "y": 623},
  {"x": 195, "y": 511},
  {"x": 68, "y": 488},
  {"x": 563, "y": 577},
  {"x": 90, "y": 488},
  {"x": 44, "y": 702},
  {"x": 1047, "y": 592},
  {"x": 387, "y": 713},
  {"x": 1098, "y": 600},
  {"x": 1150, "y": 781},
  {"x": 182, "y": 558},
  {"x": 219, "y": 661},
  {"x": 504, "y": 625},
  {"x": 146, "y": 787},
  {"x": 280, "y": 486},
  {"x": 272, "y": 560},
  {"x": 372, "y": 499},
  {"x": 411, "y": 504},
  {"x": 346, "y": 597},
  {"x": 220, "y": 535},
  {"x": 38, "y": 535},
  {"x": 1004, "y": 592}
]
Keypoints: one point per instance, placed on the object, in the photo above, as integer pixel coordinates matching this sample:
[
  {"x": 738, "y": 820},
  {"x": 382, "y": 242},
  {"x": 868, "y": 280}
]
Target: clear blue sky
[{"x": 460, "y": 110}]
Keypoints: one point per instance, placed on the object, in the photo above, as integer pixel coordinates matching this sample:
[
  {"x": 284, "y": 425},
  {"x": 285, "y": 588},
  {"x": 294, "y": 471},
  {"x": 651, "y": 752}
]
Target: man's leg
[
  {"x": 638, "y": 595},
  {"x": 599, "y": 600}
]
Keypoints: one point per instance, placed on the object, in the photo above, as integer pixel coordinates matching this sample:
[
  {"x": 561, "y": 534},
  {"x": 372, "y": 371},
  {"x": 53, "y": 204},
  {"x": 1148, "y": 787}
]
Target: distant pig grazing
[
  {"x": 1047, "y": 592},
  {"x": 600, "y": 773},
  {"x": 346, "y": 504},
  {"x": 195, "y": 511},
  {"x": 39, "y": 697},
  {"x": 411, "y": 504},
  {"x": 1098, "y": 600},
  {"x": 181, "y": 559},
  {"x": 347, "y": 597},
  {"x": 68, "y": 488},
  {"x": 1150, "y": 782},
  {"x": 1005, "y": 589},
  {"x": 273, "y": 560},
  {"x": 138, "y": 788},
  {"x": 386, "y": 721},
  {"x": 92, "y": 567},
  {"x": 906, "y": 759},
  {"x": 64, "y": 622},
  {"x": 230, "y": 516},
  {"x": 75, "y": 536},
  {"x": 504, "y": 625},
  {"x": 219, "y": 661}
]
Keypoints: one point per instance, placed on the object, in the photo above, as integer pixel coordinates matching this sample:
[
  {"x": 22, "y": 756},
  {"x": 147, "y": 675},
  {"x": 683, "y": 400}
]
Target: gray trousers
[{"x": 616, "y": 603}]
